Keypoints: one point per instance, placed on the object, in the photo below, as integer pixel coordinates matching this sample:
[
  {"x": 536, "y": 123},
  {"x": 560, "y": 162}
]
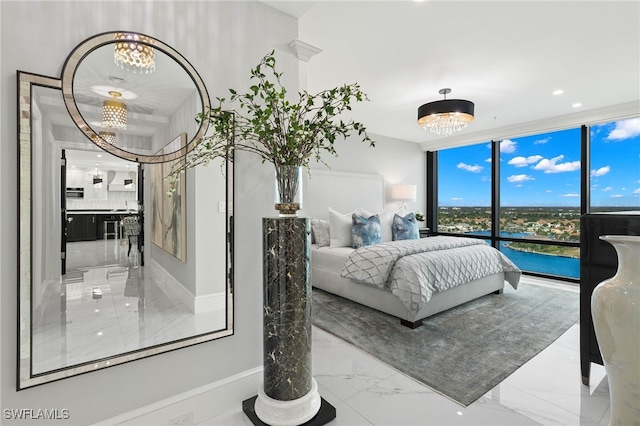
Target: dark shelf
[{"x": 598, "y": 262}]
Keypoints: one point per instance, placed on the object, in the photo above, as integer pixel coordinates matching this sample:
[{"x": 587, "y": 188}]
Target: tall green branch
[{"x": 265, "y": 122}]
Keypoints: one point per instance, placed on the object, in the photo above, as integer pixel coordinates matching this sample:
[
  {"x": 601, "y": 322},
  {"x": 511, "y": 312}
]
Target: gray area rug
[{"x": 461, "y": 353}]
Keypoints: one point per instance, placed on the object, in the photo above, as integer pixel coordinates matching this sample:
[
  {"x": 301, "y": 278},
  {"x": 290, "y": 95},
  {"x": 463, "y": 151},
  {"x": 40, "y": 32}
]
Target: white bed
[
  {"x": 345, "y": 192},
  {"x": 327, "y": 265}
]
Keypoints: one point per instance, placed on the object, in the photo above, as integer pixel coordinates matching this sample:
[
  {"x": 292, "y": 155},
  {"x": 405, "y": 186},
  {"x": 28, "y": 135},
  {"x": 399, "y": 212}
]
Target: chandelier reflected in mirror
[
  {"x": 446, "y": 116},
  {"x": 114, "y": 113},
  {"x": 133, "y": 52},
  {"x": 97, "y": 178},
  {"x": 108, "y": 137}
]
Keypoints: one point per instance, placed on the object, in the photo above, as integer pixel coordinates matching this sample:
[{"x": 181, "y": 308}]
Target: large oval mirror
[
  {"x": 131, "y": 94},
  {"x": 110, "y": 269}
]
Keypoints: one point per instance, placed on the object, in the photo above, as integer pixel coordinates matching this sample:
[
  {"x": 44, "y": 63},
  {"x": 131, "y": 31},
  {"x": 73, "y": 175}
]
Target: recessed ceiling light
[
  {"x": 125, "y": 95},
  {"x": 99, "y": 155},
  {"x": 558, "y": 92},
  {"x": 577, "y": 105},
  {"x": 116, "y": 80}
]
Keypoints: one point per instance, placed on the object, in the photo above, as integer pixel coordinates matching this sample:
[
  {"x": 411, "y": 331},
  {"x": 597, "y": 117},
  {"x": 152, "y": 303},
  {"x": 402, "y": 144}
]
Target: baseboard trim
[
  {"x": 209, "y": 302},
  {"x": 205, "y": 402},
  {"x": 171, "y": 286}
]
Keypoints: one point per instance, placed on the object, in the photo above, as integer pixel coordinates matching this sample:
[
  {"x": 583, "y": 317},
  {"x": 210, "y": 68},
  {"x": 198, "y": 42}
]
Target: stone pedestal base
[
  {"x": 326, "y": 413},
  {"x": 284, "y": 413}
]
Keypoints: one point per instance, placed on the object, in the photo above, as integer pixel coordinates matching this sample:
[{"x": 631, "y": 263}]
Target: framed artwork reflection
[{"x": 168, "y": 212}]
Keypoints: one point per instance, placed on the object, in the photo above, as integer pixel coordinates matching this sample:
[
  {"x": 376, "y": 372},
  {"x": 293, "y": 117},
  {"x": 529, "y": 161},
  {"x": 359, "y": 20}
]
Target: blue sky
[{"x": 544, "y": 169}]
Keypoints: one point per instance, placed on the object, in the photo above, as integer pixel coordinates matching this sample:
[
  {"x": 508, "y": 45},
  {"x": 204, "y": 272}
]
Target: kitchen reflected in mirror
[{"x": 95, "y": 291}]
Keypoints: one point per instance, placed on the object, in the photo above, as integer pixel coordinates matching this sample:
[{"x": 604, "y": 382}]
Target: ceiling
[
  {"x": 508, "y": 57},
  {"x": 79, "y": 151}
]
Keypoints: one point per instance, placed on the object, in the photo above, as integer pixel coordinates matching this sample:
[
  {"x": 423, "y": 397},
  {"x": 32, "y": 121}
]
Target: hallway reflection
[{"x": 108, "y": 304}]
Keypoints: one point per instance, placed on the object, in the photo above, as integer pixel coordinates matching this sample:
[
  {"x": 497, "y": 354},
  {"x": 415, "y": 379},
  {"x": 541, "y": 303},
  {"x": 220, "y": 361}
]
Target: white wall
[
  {"x": 397, "y": 161},
  {"x": 222, "y": 40},
  {"x": 46, "y": 181}
]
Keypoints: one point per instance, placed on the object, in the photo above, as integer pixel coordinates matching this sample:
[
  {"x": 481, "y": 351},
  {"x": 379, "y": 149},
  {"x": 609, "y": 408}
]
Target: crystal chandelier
[
  {"x": 447, "y": 116},
  {"x": 132, "y": 52},
  {"x": 114, "y": 113},
  {"x": 108, "y": 137}
]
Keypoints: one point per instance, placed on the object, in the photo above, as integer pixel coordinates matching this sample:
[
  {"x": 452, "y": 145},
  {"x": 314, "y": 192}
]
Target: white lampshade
[{"x": 404, "y": 192}]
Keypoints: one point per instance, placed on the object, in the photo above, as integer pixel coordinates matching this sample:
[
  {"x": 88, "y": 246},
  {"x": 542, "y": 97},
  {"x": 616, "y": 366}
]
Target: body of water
[{"x": 535, "y": 262}]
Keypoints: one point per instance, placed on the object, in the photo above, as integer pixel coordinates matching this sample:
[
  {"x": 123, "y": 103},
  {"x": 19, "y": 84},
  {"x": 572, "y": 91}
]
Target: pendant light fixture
[
  {"x": 114, "y": 113},
  {"x": 97, "y": 178},
  {"x": 447, "y": 116},
  {"x": 108, "y": 137},
  {"x": 132, "y": 52}
]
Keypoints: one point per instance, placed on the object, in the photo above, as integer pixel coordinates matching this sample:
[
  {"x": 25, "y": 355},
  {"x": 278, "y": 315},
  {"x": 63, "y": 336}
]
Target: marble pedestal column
[{"x": 289, "y": 393}]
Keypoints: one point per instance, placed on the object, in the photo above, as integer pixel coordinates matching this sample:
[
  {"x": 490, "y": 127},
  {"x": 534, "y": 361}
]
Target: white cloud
[
  {"x": 617, "y": 196},
  {"x": 524, "y": 161},
  {"x": 473, "y": 169},
  {"x": 488, "y": 160},
  {"x": 542, "y": 141},
  {"x": 607, "y": 189},
  {"x": 457, "y": 199},
  {"x": 625, "y": 129},
  {"x": 519, "y": 178},
  {"x": 548, "y": 191},
  {"x": 601, "y": 171},
  {"x": 637, "y": 191},
  {"x": 507, "y": 146},
  {"x": 573, "y": 194},
  {"x": 552, "y": 166}
]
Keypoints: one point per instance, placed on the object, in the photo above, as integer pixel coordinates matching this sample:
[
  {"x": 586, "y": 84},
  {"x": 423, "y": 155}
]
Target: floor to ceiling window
[
  {"x": 540, "y": 202},
  {"x": 464, "y": 190},
  {"x": 615, "y": 166},
  {"x": 528, "y": 201}
]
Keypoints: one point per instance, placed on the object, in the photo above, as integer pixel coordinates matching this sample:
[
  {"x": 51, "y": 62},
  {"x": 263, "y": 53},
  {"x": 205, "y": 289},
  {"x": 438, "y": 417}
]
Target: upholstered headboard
[{"x": 341, "y": 191}]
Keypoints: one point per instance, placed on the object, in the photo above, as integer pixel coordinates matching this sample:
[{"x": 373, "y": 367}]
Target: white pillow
[
  {"x": 386, "y": 220},
  {"x": 321, "y": 235},
  {"x": 340, "y": 228}
]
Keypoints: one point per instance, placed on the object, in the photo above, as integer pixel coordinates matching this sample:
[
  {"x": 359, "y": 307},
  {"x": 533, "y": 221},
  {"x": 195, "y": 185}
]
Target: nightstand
[{"x": 424, "y": 232}]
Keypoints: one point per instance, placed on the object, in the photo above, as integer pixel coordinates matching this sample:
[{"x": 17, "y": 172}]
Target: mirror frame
[
  {"x": 85, "y": 48},
  {"x": 25, "y": 376}
]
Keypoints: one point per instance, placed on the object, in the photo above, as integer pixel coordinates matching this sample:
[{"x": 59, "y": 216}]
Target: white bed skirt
[{"x": 384, "y": 301}]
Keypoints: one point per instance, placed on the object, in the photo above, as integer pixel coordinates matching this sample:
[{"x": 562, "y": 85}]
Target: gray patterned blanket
[{"x": 415, "y": 270}]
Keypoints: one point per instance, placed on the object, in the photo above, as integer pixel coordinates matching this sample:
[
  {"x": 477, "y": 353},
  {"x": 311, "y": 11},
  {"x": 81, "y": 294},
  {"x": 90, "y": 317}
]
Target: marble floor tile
[
  {"x": 547, "y": 390},
  {"x": 342, "y": 369},
  {"x": 107, "y": 304}
]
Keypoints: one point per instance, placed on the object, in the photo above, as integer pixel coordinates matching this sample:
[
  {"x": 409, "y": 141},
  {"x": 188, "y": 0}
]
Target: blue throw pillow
[
  {"x": 405, "y": 228},
  {"x": 365, "y": 230}
]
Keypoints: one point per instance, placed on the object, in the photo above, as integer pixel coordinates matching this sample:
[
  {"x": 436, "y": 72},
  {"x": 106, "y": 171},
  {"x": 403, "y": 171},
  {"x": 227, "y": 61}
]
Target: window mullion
[{"x": 495, "y": 193}]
